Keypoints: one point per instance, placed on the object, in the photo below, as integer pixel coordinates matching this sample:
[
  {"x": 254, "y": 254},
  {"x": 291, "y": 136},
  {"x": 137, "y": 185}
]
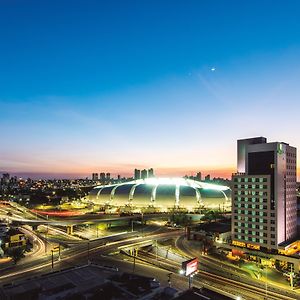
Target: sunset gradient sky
[{"x": 90, "y": 86}]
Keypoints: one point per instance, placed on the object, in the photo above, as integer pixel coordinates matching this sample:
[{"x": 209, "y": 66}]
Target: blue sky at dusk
[{"x": 89, "y": 86}]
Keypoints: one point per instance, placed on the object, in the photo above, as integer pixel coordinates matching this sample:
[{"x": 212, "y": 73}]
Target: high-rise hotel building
[{"x": 264, "y": 201}]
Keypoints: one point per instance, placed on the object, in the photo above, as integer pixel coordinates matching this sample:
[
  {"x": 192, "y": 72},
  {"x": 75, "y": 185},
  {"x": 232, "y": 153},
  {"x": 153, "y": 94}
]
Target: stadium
[{"x": 162, "y": 194}]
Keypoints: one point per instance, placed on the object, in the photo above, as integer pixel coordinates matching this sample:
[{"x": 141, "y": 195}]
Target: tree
[{"x": 16, "y": 253}]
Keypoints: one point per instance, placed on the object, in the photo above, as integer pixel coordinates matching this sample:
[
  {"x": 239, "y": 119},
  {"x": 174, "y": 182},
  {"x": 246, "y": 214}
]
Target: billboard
[{"x": 190, "y": 266}]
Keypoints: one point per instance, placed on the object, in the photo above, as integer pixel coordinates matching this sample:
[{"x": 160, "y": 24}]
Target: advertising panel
[{"x": 190, "y": 266}]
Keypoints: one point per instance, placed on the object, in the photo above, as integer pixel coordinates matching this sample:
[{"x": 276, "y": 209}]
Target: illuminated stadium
[{"x": 162, "y": 194}]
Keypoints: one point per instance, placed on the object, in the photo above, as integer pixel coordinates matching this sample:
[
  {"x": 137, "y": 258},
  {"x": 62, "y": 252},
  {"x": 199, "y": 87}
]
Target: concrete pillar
[
  {"x": 70, "y": 229},
  {"x": 34, "y": 227}
]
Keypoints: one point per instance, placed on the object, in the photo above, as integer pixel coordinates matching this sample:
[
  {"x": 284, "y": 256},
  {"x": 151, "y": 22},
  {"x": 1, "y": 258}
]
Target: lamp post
[
  {"x": 134, "y": 256},
  {"x": 59, "y": 252},
  {"x": 142, "y": 223},
  {"x": 266, "y": 282},
  {"x": 46, "y": 235},
  {"x": 52, "y": 262},
  {"x": 292, "y": 277},
  {"x": 88, "y": 253},
  {"x": 169, "y": 279}
]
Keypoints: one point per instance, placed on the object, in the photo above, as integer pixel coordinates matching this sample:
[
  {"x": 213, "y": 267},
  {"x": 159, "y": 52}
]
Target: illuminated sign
[
  {"x": 190, "y": 266},
  {"x": 237, "y": 243},
  {"x": 254, "y": 247},
  {"x": 242, "y": 244}
]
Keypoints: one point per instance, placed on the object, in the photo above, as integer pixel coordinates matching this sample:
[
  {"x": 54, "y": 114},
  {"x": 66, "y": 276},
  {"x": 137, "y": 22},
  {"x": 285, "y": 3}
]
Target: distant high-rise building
[
  {"x": 144, "y": 174},
  {"x": 102, "y": 177},
  {"x": 119, "y": 177},
  {"x": 137, "y": 174},
  {"x": 5, "y": 178},
  {"x": 95, "y": 176},
  {"x": 198, "y": 176},
  {"x": 150, "y": 173},
  {"x": 108, "y": 177},
  {"x": 207, "y": 178},
  {"x": 264, "y": 206}
]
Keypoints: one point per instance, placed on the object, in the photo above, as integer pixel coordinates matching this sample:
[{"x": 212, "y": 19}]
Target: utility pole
[
  {"x": 292, "y": 277},
  {"x": 88, "y": 253},
  {"x": 142, "y": 223},
  {"x": 266, "y": 282},
  {"x": 52, "y": 262},
  {"x": 47, "y": 228},
  {"x": 169, "y": 279},
  {"x": 135, "y": 251},
  {"x": 59, "y": 252}
]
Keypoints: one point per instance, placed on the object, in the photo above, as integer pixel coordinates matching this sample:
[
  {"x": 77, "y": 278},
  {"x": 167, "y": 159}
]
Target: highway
[
  {"x": 213, "y": 281},
  {"x": 223, "y": 270},
  {"x": 78, "y": 254},
  {"x": 100, "y": 250},
  {"x": 104, "y": 251}
]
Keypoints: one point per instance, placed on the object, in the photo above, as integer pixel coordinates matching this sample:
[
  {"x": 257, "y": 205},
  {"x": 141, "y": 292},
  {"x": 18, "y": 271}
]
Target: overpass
[{"x": 87, "y": 220}]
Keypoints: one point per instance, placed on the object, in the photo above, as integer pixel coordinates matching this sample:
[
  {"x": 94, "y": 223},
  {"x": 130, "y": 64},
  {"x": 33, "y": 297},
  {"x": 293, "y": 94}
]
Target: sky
[{"x": 92, "y": 86}]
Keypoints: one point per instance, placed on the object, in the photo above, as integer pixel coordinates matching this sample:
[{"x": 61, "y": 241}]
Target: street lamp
[
  {"x": 88, "y": 254},
  {"x": 142, "y": 223},
  {"x": 52, "y": 262}
]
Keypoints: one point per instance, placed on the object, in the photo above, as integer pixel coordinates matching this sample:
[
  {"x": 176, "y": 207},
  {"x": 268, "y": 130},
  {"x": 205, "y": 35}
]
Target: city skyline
[{"x": 163, "y": 85}]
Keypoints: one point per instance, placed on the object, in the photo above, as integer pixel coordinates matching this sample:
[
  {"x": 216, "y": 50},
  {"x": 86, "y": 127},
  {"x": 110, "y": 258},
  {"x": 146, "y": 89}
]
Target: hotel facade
[{"x": 264, "y": 201}]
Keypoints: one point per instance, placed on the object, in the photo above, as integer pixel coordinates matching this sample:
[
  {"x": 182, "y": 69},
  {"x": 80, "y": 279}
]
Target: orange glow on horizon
[{"x": 128, "y": 171}]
